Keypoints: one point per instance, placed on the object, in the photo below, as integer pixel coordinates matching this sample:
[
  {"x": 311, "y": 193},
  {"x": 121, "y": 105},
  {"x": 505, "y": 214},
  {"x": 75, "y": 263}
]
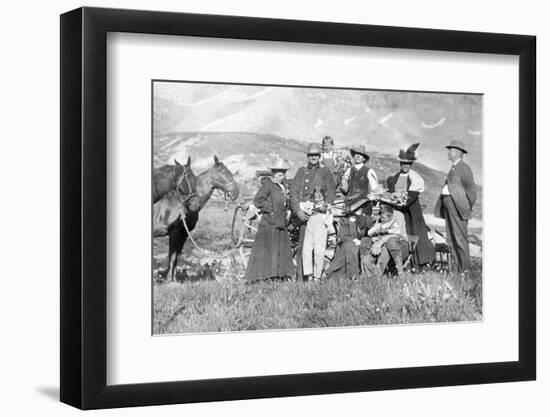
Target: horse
[
  {"x": 179, "y": 178},
  {"x": 168, "y": 215}
]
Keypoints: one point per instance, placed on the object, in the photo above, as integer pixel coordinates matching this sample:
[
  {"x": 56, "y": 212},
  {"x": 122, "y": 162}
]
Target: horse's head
[
  {"x": 222, "y": 179},
  {"x": 186, "y": 181}
]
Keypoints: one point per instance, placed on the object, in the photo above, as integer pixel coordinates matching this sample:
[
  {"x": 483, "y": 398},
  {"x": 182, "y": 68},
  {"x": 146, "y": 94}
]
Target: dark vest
[{"x": 359, "y": 180}]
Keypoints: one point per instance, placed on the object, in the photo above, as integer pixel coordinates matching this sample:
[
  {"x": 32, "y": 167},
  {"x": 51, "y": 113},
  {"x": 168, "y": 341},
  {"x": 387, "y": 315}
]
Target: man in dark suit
[
  {"x": 455, "y": 204},
  {"x": 301, "y": 190}
]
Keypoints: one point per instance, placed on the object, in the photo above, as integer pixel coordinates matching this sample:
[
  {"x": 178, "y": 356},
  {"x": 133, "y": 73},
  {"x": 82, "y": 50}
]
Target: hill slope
[{"x": 244, "y": 153}]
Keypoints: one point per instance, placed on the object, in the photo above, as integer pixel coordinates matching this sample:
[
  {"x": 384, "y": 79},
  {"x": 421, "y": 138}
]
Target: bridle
[
  {"x": 182, "y": 196},
  {"x": 222, "y": 188}
]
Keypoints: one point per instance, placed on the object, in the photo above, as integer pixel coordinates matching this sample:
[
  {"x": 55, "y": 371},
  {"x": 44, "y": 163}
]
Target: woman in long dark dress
[
  {"x": 271, "y": 255},
  {"x": 411, "y": 182},
  {"x": 345, "y": 263}
]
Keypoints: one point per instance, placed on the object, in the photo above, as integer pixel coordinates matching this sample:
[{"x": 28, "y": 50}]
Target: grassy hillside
[
  {"x": 214, "y": 306},
  {"x": 212, "y": 296}
]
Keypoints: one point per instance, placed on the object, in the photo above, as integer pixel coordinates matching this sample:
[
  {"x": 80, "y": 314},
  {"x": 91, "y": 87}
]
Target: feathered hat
[{"x": 409, "y": 155}]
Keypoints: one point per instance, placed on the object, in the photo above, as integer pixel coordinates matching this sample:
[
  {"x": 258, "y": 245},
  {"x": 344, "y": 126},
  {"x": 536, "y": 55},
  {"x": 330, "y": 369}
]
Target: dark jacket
[
  {"x": 272, "y": 202},
  {"x": 462, "y": 188},
  {"x": 304, "y": 182},
  {"x": 271, "y": 255}
]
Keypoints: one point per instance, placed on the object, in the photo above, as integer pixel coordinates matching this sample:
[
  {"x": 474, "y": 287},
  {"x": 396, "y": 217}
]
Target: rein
[
  {"x": 182, "y": 201},
  {"x": 191, "y": 237}
]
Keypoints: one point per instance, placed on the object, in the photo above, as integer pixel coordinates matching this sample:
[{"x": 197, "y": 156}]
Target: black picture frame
[{"x": 84, "y": 207}]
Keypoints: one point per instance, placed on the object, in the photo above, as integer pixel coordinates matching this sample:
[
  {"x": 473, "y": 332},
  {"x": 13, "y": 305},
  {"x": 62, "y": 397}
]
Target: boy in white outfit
[{"x": 315, "y": 239}]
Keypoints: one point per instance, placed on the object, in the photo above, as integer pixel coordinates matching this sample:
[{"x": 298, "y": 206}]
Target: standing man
[
  {"x": 360, "y": 179},
  {"x": 455, "y": 204},
  {"x": 301, "y": 190}
]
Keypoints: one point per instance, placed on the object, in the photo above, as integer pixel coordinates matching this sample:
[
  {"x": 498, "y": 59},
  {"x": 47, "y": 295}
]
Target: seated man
[{"x": 387, "y": 239}]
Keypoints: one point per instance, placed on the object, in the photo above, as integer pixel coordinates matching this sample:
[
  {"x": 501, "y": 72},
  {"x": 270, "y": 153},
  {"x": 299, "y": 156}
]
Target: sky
[{"x": 383, "y": 121}]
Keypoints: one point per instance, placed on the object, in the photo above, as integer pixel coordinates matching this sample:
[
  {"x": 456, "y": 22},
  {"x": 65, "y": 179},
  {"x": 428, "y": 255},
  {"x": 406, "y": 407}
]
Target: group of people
[{"x": 368, "y": 240}]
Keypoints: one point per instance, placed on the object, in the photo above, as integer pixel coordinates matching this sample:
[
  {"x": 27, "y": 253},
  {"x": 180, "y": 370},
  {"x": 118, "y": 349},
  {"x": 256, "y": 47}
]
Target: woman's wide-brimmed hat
[
  {"x": 314, "y": 149},
  {"x": 359, "y": 149},
  {"x": 279, "y": 166},
  {"x": 458, "y": 144},
  {"x": 409, "y": 155}
]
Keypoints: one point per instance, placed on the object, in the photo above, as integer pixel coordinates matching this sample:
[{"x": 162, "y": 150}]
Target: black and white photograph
[
  {"x": 298, "y": 207},
  {"x": 245, "y": 208}
]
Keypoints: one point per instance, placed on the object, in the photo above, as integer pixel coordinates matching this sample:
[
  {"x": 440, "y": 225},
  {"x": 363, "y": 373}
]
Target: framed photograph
[{"x": 259, "y": 208}]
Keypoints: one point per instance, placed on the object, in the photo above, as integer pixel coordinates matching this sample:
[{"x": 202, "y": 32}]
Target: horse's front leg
[{"x": 172, "y": 262}]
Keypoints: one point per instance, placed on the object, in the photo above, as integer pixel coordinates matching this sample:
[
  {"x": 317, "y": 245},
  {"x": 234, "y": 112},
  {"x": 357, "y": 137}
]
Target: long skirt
[
  {"x": 271, "y": 254},
  {"x": 346, "y": 261},
  {"x": 414, "y": 220}
]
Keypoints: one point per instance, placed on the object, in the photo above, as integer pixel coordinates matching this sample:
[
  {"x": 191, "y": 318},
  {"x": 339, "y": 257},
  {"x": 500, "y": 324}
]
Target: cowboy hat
[
  {"x": 279, "y": 166},
  {"x": 313, "y": 149},
  {"x": 458, "y": 144},
  {"x": 409, "y": 155},
  {"x": 360, "y": 149}
]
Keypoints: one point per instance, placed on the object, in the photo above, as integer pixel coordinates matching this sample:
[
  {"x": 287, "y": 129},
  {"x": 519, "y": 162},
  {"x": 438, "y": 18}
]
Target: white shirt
[
  {"x": 445, "y": 190},
  {"x": 373, "y": 180},
  {"x": 328, "y": 155},
  {"x": 395, "y": 227},
  {"x": 417, "y": 182}
]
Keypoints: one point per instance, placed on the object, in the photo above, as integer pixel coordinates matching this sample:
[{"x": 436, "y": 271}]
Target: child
[
  {"x": 328, "y": 156},
  {"x": 389, "y": 240},
  {"x": 315, "y": 239}
]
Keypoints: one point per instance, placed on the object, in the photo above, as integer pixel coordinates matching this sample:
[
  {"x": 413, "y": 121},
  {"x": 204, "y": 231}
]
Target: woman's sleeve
[
  {"x": 415, "y": 189},
  {"x": 417, "y": 182},
  {"x": 261, "y": 200}
]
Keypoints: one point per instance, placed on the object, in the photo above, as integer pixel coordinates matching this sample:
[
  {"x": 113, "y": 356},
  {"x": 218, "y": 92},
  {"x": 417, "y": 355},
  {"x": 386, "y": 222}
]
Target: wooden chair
[{"x": 443, "y": 256}]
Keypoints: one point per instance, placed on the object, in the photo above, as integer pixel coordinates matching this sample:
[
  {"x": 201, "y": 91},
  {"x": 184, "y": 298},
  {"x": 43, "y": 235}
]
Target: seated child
[
  {"x": 315, "y": 239},
  {"x": 389, "y": 241}
]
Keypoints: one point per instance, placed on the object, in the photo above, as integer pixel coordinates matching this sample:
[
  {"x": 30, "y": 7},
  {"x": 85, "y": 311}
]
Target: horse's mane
[
  {"x": 168, "y": 170},
  {"x": 164, "y": 178}
]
